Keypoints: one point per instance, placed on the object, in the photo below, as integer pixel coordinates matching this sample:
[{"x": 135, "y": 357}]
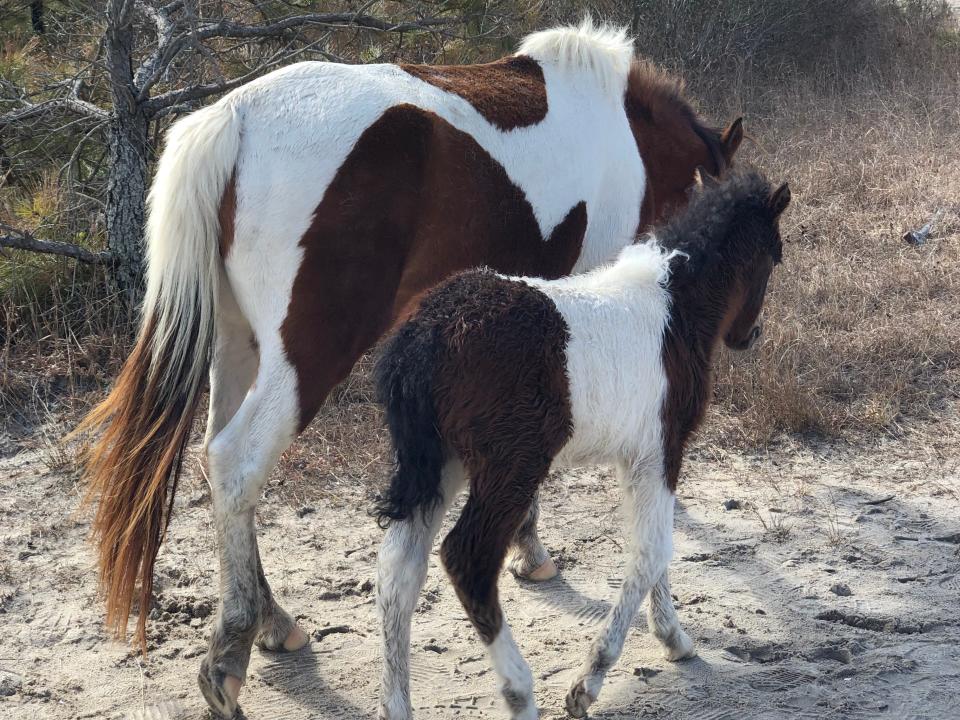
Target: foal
[{"x": 497, "y": 380}]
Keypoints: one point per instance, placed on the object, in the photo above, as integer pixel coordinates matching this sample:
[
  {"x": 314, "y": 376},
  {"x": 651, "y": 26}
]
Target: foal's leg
[
  {"x": 240, "y": 457},
  {"x": 233, "y": 368},
  {"x": 665, "y": 625},
  {"x": 473, "y": 554},
  {"x": 401, "y": 571},
  {"x": 529, "y": 559},
  {"x": 649, "y": 509}
]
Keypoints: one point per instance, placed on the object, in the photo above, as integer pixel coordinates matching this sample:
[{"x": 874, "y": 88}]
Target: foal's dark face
[{"x": 745, "y": 327}]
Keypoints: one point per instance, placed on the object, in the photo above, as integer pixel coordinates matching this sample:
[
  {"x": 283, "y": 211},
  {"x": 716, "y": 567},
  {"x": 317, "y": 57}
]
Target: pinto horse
[
  {"x": 297, "y": 219},
  {"x": 495, "y": 380}
]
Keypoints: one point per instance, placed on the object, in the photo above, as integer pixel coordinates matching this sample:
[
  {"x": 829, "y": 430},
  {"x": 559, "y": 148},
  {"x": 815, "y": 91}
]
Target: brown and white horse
[
  {"x": 495, "y": 380},
  {"x": 300, "y": 217}
]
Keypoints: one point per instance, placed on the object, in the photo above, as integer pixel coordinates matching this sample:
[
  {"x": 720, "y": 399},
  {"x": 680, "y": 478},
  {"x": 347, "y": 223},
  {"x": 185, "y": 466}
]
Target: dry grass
[
  {"x": 346, "y": 446},
  {"x": 862, "y": 330}
]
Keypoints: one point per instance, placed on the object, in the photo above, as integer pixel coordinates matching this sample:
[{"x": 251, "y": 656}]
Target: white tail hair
[
  {"x": 183, "y": 228},
  {"x": 145, "y": 422},
  {"x": 605, "y": 50}
]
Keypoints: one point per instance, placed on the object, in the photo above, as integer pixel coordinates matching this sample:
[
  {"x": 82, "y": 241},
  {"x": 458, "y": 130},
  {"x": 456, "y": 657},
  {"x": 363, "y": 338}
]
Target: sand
[{"x": 818, "y": 581}]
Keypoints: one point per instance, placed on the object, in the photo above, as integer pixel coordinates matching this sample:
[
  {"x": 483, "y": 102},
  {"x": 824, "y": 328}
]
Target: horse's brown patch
[
  {"x": 689, "y": 381},
  {"x": 414, "y": 202},
  {"x": 227, "y": 216},
  {"x": 509, "y": 93}
]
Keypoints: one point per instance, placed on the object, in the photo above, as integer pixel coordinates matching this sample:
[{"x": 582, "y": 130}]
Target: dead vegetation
[{"x": 862, "y": 331}]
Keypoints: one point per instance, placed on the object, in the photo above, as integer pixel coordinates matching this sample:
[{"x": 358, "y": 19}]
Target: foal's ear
[
  {"x": 731, "y": 138},
  {"x": 703, "y": 179},
  {"x": 780, "y": 199}
]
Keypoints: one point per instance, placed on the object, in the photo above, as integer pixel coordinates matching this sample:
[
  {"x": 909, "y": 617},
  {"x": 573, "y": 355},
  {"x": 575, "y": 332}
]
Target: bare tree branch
[
  {"x": 69, "y": 104},
  {"x": 228, "y": 29},
  {"x": 154, "y": 106},
  {"x": 19, "y": 240},
  {"x": 185, "y": 99},
  {"x": 168, "y": 48},
  {"x": 152, "y": 68}
]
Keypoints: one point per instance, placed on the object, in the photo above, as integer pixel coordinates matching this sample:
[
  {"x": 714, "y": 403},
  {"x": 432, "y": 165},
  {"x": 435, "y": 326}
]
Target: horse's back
[{"x": 302, "y": 123}]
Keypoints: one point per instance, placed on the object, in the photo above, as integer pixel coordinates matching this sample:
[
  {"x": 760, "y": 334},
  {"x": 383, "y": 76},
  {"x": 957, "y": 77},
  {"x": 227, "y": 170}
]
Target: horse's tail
[
  {"x": 134, "y": 465},
  {"x": 405, "y": 385}
]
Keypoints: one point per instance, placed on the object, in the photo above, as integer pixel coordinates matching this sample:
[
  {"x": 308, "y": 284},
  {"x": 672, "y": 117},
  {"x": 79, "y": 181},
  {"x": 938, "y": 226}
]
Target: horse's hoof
[
  {"x": 680, "y": 647},
  {"x": 296, "y": 639},
  {"x": 579, "y": 699},
  {"x": 547, "y": 571},
  {"x": 219, "y": 690}
]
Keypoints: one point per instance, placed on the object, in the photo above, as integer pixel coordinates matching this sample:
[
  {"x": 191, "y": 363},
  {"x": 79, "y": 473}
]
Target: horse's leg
[
  {"x": 233, "y": 368},
  {"x": 473, "y": 555},
  {"x": 665, "y": 625},
  {"x": 233, "y": 363},
  {"x": 240, "y": 458},
  {"x": 401, "y": 572},
  {"x": 529, "y": 559},
  {"x": 649, "y": 507}
]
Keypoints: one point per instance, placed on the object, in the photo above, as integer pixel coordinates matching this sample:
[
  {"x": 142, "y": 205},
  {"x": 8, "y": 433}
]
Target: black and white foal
[{"x": 497, "y": 380}]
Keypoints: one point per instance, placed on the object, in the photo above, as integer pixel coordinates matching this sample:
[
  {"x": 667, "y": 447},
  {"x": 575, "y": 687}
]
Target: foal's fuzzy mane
[
  {"x": 606, "y": 50},
  {"x": 697, "y": 235}
]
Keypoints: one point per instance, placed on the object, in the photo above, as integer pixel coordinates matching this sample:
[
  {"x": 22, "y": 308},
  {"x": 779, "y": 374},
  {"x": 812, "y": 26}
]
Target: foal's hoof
[
  {"x": 282, "y": 634},
  {"x": 295, "y": 640},
  {"x": 547, "y": 571},
  {"x": 579, "y": 699},
  {"x": 219, "y": 690}
]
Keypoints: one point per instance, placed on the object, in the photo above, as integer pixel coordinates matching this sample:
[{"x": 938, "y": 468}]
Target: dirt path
[{"x": 846, "y": 606}]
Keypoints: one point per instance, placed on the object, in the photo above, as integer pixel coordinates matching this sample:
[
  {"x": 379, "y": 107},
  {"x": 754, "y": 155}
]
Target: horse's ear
[
  {"x": 780, "y": 199},
  {"x": 731, "y": 138},
  {"x": 703, "y": 179}
]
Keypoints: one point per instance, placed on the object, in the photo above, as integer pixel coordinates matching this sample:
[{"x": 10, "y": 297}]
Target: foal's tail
[
  {"x": 146, "y": 420},
  {"x": 404, "y": 378}
]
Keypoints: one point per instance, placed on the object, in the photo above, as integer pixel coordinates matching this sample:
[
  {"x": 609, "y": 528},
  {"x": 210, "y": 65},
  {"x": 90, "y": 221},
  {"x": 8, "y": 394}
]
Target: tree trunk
[
  {"x": 129, "y": 147},
  {"x": 36, "y": 17},
  {"x": 126, "y": 193}
]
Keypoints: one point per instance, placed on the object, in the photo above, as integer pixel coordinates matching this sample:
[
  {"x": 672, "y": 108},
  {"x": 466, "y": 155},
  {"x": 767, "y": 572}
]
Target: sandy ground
[{"x": 831, "y": 592}]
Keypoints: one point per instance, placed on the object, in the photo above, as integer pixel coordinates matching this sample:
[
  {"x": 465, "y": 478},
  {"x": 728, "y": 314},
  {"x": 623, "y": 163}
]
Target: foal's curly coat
[{"x": 500, "y": 379}]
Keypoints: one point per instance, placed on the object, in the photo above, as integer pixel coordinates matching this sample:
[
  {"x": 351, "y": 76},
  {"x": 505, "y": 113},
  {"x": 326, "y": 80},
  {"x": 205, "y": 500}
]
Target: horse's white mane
[{"x": 606, "y": 50}]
